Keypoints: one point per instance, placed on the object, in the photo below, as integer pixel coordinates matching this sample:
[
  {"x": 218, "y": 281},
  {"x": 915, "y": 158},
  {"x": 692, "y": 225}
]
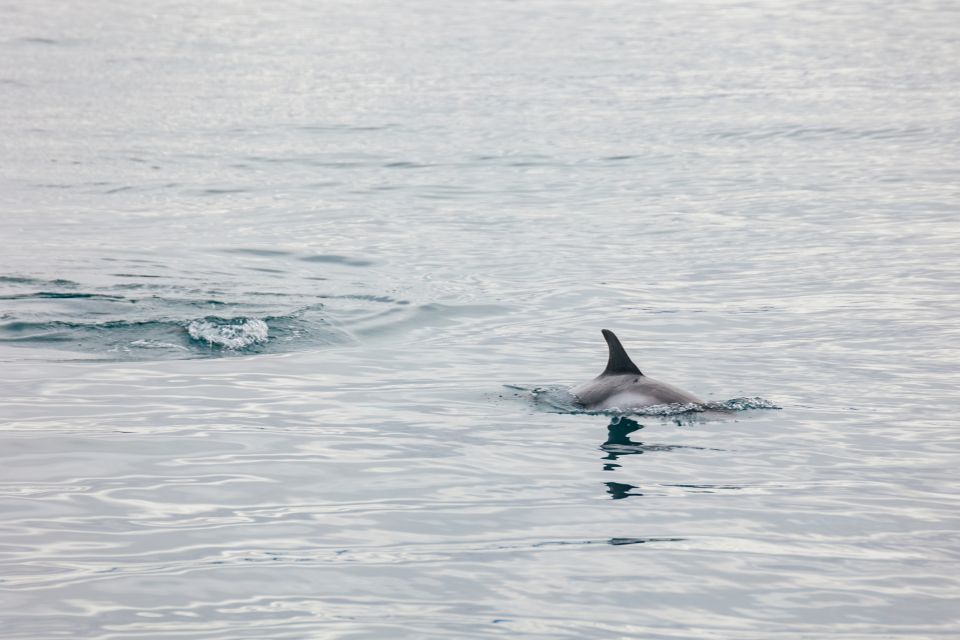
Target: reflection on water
[
  {"x": 619, "y": 445},
  {"x": 615, "y": 542},
  {"x": 620, "y": 490}
]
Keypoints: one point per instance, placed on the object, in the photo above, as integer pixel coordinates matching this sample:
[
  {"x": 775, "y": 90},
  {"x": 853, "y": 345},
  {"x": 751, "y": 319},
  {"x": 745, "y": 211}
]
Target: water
[{"x": 289, "y": 297}]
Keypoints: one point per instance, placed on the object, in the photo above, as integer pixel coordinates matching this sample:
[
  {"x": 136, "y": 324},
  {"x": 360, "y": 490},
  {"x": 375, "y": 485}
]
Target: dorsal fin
[{"x": 618, "y": 362}]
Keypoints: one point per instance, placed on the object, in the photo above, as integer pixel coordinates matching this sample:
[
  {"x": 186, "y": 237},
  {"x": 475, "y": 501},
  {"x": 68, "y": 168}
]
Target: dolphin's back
[
  {"x": 629, "y": 392},
  {"x": 622, "y": 386}
]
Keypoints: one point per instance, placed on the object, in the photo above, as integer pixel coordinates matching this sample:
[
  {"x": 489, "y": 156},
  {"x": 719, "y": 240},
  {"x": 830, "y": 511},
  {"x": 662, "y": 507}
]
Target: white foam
[{"x": 236, "y": 333}]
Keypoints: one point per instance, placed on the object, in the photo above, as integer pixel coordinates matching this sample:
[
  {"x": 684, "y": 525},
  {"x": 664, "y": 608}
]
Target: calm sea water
[{"x": 289, "y": 295}]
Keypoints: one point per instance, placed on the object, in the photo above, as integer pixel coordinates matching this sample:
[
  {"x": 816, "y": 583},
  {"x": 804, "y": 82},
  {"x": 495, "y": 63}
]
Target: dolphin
[{"x": 622, "y": 386}]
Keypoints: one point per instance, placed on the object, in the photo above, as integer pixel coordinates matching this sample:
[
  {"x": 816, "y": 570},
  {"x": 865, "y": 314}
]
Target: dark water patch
[
  {"x": 80, "y": 333},
  {"x": 74, "y": 306},
  {"x": 532, "y": 163},
  {"x": 38, "y": 282},
  {"x": 616, "y": 542},
  {"x": 192, "y": 303},
  {"x": 619, "y": 542},
  {"x": 337, "y": 259},
  {"x": 406, "y": 165},
  {"x": 516, "y": 159},
  {"x": 221, "y": 191},
  {"x": 445, "y": 192},
  {"x": 135, "y": 275},
  {"x": 40, "y": 40},
  {"x": 265, "y": 270},
  {"x": 144, "y": 286},
  {"x": 344, "y": 128},
  {"x": 55, "y": 295},
  {"x": 263, "y": 253},
  {"x": 270, "y": 294}
]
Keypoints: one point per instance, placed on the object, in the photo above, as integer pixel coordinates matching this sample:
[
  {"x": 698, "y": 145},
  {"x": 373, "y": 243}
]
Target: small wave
[
  {"x": 133, "y": 319},
  {"x": 58, "y": 295},
  {"x": 229, "y": 333},
  {"x": 211, "y": 336},
  {"x": 40, "y": 40},
  {"x": 67, "y": 284},
  {"x": 745, "y": 404},
  {"x": 156, "y": 344},
  {"x": 558, "y": 399},
  {"x": 335, "y": 259},
  {"x": 797, "y": 132}
]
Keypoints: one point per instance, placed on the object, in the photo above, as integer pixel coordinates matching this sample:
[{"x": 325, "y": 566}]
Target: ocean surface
[{"x": 291, "y": 294}]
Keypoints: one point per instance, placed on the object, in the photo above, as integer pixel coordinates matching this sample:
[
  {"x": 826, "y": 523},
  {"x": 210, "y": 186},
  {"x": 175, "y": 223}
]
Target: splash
[{"x": 229, "y": 333}]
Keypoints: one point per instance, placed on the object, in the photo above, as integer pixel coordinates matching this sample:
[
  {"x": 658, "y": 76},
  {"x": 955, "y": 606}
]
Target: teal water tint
[{"x": 290, "y": 299}]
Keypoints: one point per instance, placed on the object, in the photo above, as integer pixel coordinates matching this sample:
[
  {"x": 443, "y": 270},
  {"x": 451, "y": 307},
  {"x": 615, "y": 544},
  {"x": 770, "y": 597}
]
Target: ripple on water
[
  {"x": 146, "y": 317},
  {"x": 433, "y": 202},
  {"x": 208, "y": 336}
]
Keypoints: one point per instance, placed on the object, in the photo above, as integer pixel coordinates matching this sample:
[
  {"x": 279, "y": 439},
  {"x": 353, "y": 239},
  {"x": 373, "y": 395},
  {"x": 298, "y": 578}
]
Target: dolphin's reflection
[
  {"x": 621, "y": 490},
  {"x": 619, "y": 443}
]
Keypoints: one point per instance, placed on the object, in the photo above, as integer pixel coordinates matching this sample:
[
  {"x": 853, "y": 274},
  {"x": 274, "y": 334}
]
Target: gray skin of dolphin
[{"x": 622, "y": 386}]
